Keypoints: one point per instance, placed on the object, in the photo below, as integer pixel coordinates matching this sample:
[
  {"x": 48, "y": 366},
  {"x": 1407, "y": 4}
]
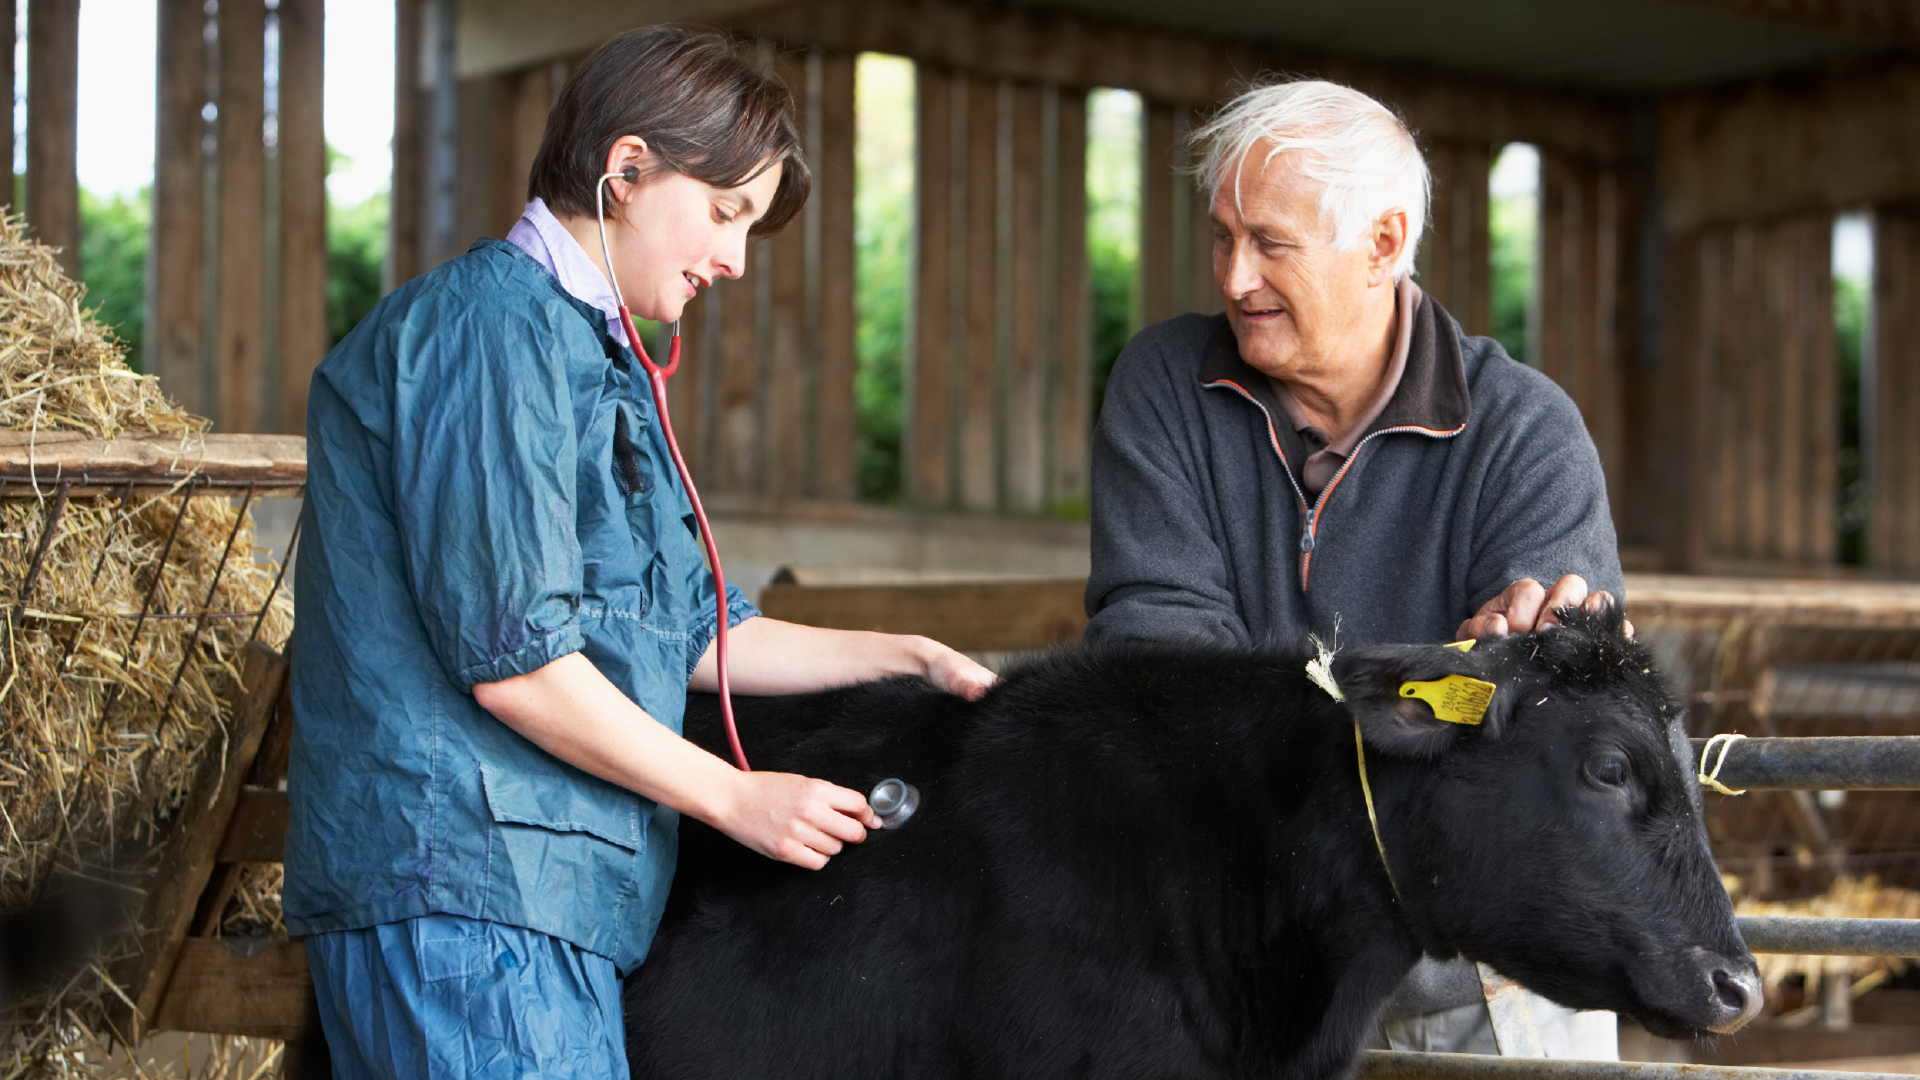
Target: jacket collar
[{"x": 1432, "y": 398}]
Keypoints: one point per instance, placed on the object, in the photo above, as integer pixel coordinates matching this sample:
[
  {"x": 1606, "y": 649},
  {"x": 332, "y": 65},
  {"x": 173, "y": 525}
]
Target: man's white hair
[{"x": 1360, "y": 154}]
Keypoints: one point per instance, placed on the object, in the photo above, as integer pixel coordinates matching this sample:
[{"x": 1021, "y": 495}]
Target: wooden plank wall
[
  {"x": 208, "y": 282},
  {"x": 1762, "y": 409},
  {"x": 1584, "y": 229},
  {"x": 1176, "y": 227},
  {"x": 998, "y": 382},
  {"x": 1893, "y": 465},
  {"x": 1453, "y": 260}
]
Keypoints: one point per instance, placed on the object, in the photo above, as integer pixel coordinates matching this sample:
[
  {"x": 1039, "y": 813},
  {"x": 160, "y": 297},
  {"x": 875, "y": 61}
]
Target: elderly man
[{"x": 1335, "y": 456}]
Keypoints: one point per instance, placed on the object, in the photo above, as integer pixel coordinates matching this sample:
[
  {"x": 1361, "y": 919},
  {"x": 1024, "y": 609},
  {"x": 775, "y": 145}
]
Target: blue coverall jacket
[{"x": 488, "y": 490}]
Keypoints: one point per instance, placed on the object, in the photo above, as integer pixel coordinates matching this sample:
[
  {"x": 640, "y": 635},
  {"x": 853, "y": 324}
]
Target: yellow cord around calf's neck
[{"x": 1366, "y": 791}]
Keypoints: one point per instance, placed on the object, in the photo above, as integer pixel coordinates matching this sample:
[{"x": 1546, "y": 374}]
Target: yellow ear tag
[
  {"x": 1463, "y": 646},
  {"x": 1457, "y": 699}
]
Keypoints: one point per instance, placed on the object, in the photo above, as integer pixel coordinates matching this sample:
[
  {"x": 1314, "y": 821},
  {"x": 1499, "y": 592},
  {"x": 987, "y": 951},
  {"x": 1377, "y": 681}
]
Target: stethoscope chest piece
[{"x": 894, "y": 801}]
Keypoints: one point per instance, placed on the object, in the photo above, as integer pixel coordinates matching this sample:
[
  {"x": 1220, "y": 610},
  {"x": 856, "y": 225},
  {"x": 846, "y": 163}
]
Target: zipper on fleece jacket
[{"x": 1311, "y": 515}]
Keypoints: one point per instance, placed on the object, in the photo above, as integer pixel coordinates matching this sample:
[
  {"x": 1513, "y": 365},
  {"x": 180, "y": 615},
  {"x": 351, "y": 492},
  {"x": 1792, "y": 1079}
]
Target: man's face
[{"x": 1294, "y": 303}]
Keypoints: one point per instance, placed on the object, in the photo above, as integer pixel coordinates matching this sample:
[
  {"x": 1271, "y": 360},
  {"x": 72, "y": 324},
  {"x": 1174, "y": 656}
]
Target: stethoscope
[
  {"x": 657, "y": 378},
  {"x": 894, "y": 801}
]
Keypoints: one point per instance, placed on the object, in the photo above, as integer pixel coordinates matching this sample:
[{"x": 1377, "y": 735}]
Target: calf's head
[{"x": 1560, "y": 838}]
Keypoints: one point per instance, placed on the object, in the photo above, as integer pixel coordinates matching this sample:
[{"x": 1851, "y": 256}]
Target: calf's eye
[{"x": 1608, "y": 770}]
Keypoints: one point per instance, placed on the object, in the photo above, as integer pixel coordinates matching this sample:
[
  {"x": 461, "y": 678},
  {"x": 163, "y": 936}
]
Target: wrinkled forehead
[{"x": 1264, "y": 189}]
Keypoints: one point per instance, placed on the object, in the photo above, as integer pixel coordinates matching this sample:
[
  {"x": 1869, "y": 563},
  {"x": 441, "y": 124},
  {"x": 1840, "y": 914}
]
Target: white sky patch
[
  {"x": 1852, "y": 246},
  {"x": 117, "y": 94},
  {"x": 1515, "y": 172}
]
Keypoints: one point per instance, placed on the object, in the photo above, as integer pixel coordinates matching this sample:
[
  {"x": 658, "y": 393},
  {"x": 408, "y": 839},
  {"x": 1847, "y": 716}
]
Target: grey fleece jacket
[{"x": 1477, "y": 473}]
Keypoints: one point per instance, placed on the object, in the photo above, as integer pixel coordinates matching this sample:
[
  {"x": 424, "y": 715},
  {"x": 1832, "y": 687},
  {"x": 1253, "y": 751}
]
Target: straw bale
[{"x": 98, "y": 741}]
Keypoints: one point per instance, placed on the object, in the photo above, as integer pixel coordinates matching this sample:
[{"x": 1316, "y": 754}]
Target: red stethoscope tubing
[{"x": 657, "y": 379}]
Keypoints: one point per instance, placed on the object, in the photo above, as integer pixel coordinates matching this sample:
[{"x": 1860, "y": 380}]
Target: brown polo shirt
[{"x": 1314, "y": 458}]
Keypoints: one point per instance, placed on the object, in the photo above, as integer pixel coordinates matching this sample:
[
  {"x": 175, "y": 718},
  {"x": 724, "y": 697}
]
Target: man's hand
[{"x": 1525, "y": 605}]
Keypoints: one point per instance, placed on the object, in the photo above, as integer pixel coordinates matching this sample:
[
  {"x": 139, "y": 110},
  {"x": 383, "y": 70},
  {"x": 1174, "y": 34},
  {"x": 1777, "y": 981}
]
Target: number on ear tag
[{"x": 1457, "y": 699}]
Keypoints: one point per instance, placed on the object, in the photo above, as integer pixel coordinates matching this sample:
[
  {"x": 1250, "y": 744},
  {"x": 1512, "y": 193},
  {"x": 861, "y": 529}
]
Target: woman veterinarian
[{"x": 503, "y": 603}]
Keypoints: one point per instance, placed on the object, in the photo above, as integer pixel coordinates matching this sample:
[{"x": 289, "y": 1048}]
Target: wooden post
[
  {"x": 784, "y": 391},
  {"x": 738, "y": 431},
  {"x": 687, "y": 392},
  {"x": 9, "y": 10},
  {"x": 302, "y": 162},
  {"x": 405, "y": 206},
  {"x": 1025, "y": 399},
  {"x": 530, "y": 99},
  {"x": 1071, "y": 385},
  {"x": 836, "y": 467},
  {"x": 928, "y": 420},
  {"x": 239, "y": 340},
  {"x": 1156, "y": 213},
  {"x": 175, "y": 335},
  {"x": 979, "y": 489},
  {"x": 1454, "y": 256},
  {"x": 53, "y": 127},
  {"x": 1203, "y": 291},
  {"x": 1894, "y": 440}
]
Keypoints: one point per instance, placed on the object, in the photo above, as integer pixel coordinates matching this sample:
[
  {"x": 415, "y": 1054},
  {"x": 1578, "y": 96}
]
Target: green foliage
[
  {"x": 1849, "y": 330},
  {"x": 883, "y": 246},
  {"x": 113, "y": 264},
  {"x": 356, "y": 249},
  {"x": 1113, "y": 226},
  {"x": 1513, "y": 226}
]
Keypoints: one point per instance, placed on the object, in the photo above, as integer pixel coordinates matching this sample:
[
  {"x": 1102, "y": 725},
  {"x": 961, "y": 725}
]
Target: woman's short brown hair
[{"x": 695, "y": 97}]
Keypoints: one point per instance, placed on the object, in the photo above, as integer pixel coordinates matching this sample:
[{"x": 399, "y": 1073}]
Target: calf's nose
[{"x": 1737, "y": 997}]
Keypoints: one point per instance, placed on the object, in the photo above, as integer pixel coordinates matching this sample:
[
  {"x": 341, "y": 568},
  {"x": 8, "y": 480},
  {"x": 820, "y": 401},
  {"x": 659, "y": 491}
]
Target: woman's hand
[
  {"x": 953, "y": 672},
  {"x": 774, "y": 657},
  {"x": 795, "y": 819}
]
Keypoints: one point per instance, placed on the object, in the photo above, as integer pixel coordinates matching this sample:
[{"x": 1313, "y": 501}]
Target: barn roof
[{"x": 1605, "y": 45}]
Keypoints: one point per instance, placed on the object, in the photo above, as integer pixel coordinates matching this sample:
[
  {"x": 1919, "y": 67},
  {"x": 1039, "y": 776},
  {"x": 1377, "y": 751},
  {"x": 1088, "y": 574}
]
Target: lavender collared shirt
[{"x": 547, "y": 242}]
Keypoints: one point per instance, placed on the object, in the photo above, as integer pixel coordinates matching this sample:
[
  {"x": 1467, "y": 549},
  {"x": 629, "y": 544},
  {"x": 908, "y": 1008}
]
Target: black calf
[{"x": 1157, "y": 863}]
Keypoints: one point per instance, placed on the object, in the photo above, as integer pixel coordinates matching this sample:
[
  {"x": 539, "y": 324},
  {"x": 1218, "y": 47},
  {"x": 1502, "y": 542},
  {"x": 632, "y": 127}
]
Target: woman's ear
[{"x": 630, "y": 159}]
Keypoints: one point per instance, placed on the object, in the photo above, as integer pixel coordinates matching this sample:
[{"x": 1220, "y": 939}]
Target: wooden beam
[
  {"x": 1203, "y": 291},
  {"x": 925, "y": 448},
  {"x": 214, "y": 989},
  {"x": 1893, "y": 440},
  {"x": 1765, "y": 148},
  {"x": 240, "y": 334},
  {"x": 257, "y": 832},
  {"x": 175, "y": 334},
  {"x": 979, "y": 374},
  {"x": 1893, "y": 22},
  {"x": 1087, "y": 51},
  {"x": 1070, "y": 385},
  {"x": 1025, "y": 398},
  {"x": 991, "y": 616},
  {"x": 737, "y": 432},
  {"x": 785, "y": 391},
  {"x": 1456, "y": 269},
  {"x": 187, "y": 859},
  {"x": 274, "y": 463},
  {"x": 9, "y": 10},
  {"x": 302, "y": 161},
  {"x": 53, "y": 127},
  {"x": 1157, "y": 185},
  {"x": 406, "y": 203},
  {"x": 836, "y": 466}
]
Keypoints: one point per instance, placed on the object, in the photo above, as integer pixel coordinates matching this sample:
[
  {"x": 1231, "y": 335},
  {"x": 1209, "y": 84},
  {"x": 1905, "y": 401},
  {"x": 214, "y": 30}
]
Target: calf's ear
[{"x": 1414, "y": 700}]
